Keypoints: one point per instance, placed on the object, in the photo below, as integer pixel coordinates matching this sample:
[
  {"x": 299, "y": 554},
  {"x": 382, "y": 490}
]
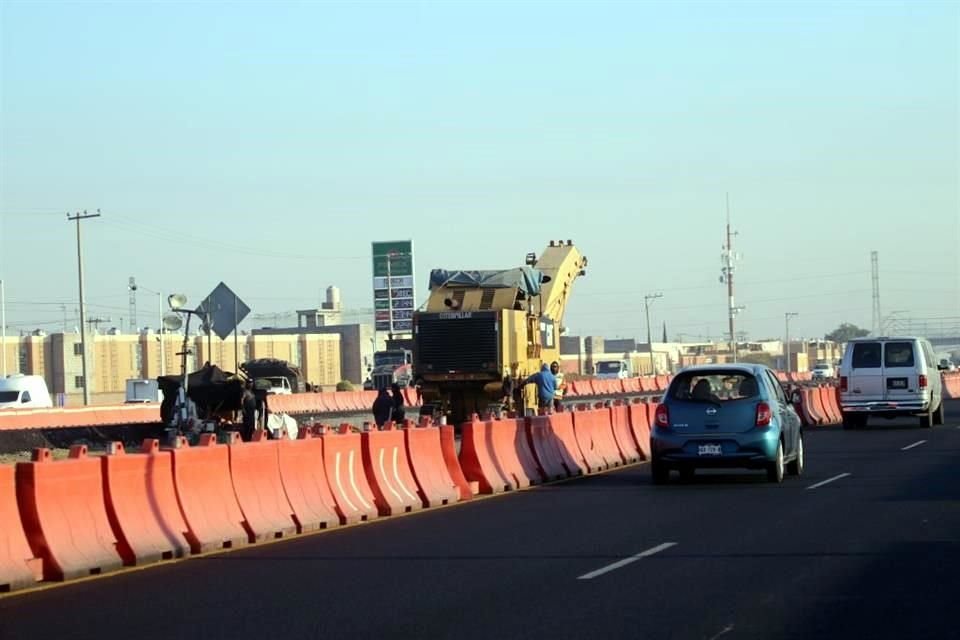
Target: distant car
[
  {"x": 890, "y": 377},
  {"x": 822, "y": 371},
  {"x": 734, "y": 416}
]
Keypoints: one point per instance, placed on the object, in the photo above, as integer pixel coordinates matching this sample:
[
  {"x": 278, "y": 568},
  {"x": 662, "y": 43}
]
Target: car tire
[
  {"x": 795, "y": 466},
  {"x": 941, "y": 416},
  {"x": 659, "y": 472},
  {"x": 686, "y": 474},
  {"x": 775, "y": 468},
  {"x": 927, "y": 420}
]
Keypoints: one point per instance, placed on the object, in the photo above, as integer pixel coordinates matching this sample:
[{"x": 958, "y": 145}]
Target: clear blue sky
[{"x": 279, "y": 139}]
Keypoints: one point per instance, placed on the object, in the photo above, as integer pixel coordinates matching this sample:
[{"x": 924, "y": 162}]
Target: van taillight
[
  {"x": 763, "y": 414},
  {"x": 843, "y": 383},
  {"x": 922, "y": 382},
  {"x": 662, "y": 416}
]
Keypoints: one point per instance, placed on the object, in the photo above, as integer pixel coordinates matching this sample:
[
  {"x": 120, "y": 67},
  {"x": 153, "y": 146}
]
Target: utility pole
[
  {"x": 83, "y": 332},
  {"x": 787, "y": 316},
  {"x": 728, "y": 257},
  {"x": 646, "y": 303}
]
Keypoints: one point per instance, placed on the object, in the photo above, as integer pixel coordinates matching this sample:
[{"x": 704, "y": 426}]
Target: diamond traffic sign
[{"x": 226, "y": 310}]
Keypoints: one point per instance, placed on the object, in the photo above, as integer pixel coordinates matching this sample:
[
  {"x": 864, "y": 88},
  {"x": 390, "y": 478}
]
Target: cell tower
[
  {"x": 875, "y": 275},
  {"x": 132, "y": 286},
  {"x": 728, "y": 258}
]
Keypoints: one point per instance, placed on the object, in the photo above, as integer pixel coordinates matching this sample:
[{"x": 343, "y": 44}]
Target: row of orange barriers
[
  {"x": 951, "y": 384},
  {"x": 332, "y": 402},
  {"x": 88, "y": 515},
  {"x": 819, "y": 405}
]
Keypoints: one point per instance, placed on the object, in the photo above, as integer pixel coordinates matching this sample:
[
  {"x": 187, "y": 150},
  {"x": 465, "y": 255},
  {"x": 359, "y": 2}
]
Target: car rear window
[
  {"x": 714, "y": 386},
  {"x": 866, "y": 355},
  {"x": 9, "y": 396},
  {"x": 898, "y": 354}
]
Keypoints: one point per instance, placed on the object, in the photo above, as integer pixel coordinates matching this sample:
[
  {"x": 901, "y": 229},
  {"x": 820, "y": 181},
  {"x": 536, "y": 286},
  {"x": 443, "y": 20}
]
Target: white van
[
  {"x": 890, "y": 377},
  {"x": 20, "y": 391}
]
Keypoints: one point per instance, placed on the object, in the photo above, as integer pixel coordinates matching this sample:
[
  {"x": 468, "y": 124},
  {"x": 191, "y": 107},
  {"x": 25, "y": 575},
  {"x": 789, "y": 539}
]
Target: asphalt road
[{"x": 872, "y": 554}]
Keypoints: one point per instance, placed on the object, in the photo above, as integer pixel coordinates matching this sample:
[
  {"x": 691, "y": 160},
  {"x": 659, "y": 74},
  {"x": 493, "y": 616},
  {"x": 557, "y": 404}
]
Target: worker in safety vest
[{"x": 561, "y": 386}]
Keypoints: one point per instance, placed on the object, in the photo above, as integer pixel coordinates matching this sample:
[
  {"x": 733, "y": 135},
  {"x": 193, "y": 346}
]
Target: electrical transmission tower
[{"x": 875, "y": 275}]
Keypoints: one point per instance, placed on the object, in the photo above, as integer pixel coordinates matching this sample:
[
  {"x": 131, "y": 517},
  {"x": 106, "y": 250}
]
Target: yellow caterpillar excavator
[{"x": 483, "y": 332}]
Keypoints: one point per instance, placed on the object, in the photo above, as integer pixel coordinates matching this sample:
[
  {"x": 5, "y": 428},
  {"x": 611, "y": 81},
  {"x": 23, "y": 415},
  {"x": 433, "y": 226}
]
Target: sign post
[{"x": 393, "y": 287}]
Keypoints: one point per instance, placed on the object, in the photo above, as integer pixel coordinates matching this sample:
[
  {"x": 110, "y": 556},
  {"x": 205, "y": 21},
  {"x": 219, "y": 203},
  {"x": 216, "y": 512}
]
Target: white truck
[{"x": 612, "y": 369}]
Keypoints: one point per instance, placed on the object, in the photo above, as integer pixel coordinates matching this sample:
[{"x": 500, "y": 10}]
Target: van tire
[
  {"x": 940, "y": 417},
  {"x": 927, "y": 420}
]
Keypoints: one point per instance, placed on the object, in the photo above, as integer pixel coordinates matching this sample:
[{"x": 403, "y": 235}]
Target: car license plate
[
  {"x": 709, "y": 450},
  {"x": 897, "y": 383}
]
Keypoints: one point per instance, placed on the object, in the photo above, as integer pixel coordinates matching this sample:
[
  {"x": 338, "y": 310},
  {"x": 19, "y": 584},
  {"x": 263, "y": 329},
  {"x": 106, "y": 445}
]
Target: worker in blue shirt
[{"x": 546, "y": 386}]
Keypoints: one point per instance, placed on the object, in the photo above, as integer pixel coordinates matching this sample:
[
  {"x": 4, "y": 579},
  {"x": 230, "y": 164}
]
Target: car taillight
[
  {"x": 843, "y": 383},
  {"x": 763, "y": 415},
  {"x": 663, "y": 416},
  {"x": 922, "y": 382}
]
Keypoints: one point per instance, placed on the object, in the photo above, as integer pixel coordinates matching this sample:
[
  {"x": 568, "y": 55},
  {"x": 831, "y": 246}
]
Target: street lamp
[
  {"x": 646, "y": 303},
  {"x": 173, "y": 322},
  {"x": 787, "y": 316},
  {"x": 163, "y": 359}
]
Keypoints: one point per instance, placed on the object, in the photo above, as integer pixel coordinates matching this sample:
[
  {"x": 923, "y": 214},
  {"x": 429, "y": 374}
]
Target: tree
[
  {"x": 344, "y": 385},
  {"x": 846, "y": 332}
]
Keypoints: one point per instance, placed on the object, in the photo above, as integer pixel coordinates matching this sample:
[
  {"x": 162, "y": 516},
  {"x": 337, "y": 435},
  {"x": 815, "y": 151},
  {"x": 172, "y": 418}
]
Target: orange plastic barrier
[
  {"x": 449, "y": 446},
  {"x": 205, "y": 492},
  {"x": 631, "y": 385},
  {"x": 648, "y": 384},
  {"x": 18, "y": 566},
  {"x": 828, "y": 400},
  {"x": 591, "y": 442},
  {"x": 142, "y": 504},
  {"x": 343, "y": 462},
  {"x": 305, "y": 483},
  {"x": 478, "y": 461},
  {"x": 805, "y": 409},
  {"x": 388, "y": 472},
  {"x": 425, "y": 454},
  {"x": 545, "y": 446},
  {"x": 661, "y": 382},
  {"x": 255, "y": 470},
  {"x": 620, "y": 421},
  {"x": 640, "y": 426},
  {"x": 817, "y": 401},
  {"x": 561, "y": 425},
  {"x": 951, "y": 384},
  {"x": 64, "y": 515},
  {"x": 579, "y": 388},
  {"x": 504, "y": 444},
  {"x": 528, "y": 461}
]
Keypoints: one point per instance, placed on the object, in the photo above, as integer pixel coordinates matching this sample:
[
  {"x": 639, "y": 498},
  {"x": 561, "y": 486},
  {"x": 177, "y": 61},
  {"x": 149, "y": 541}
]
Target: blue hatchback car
[{"x": 732, "y": 415}]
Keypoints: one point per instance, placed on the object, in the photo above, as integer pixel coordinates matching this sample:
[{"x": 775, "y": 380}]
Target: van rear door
[
  {"x": 900, "y": 377},
  {"x": 866, "y": 372}
]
